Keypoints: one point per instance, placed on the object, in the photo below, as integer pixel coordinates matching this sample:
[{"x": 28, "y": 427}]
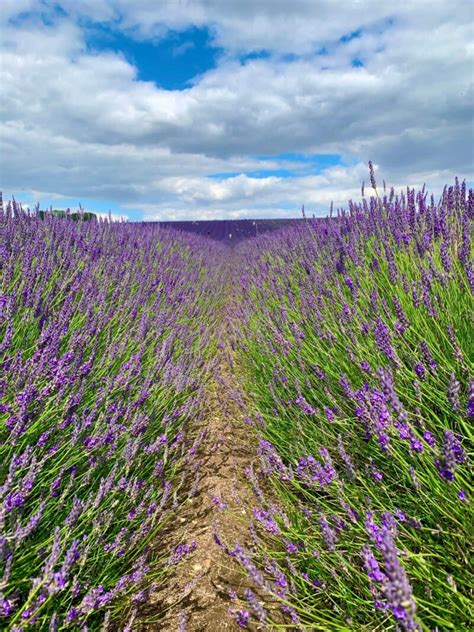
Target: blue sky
[
  {"x": 205, "y": 109},
  {"x": 291, "y": 165},
  {"x": 172, "y": 63}
]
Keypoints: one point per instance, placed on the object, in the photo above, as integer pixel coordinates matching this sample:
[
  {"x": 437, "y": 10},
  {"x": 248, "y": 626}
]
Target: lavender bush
[
  {"x": 104, "y": 350},
  {"x": 358, "y": 346}
]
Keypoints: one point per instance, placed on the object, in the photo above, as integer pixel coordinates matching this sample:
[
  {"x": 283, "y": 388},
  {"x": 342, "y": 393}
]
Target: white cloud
[
  {"x": 245, "y": 197},
  {"x": 11, "y": 8},
  {"x": 81, "y": 124}
]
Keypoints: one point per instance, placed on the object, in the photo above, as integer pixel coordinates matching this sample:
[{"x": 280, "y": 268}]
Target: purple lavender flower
[
  {"x": 420, "y": 371},
  {"x": 470, "y": 398},
  {"x": 219, "y": 503},
  {"x": 383, "y": 441},
  {"x": 398, "y": 591},
  {"x": 429, "y": 360},
  {"x": 453, "y": 392},
  {"x": 416, "y": 445},
  {"x": 242, "y": 617},
  {"x": 383, "y": 340},
  {"x": 6, "y": 606},
  {"x": 181, "y": 551},
  {"x": 373, "y": 184},
  {"x": 429, "y": 438},
  {"x": 257, "y": 608},
  {"x": 248, "y": 565},
  {"x": 266, "y": 519},
  {"x": 391, "y": 580},
  {"x": 329, "y": 414},
  {"x": 452, "y": 456},
  {"x": 373, "y": 568},
  {"x": 314, "y": 473},
  {"x": 328, "y": 533},
  {"x": 345, "y": 458}
]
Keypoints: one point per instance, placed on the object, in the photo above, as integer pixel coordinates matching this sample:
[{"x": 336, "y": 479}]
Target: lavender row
[
  {"x": 358, "y": 349},
  {"x": 105, "y": 348}
]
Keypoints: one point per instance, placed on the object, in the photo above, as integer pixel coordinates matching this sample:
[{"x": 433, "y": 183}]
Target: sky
[{"x": 212, "y": 109}]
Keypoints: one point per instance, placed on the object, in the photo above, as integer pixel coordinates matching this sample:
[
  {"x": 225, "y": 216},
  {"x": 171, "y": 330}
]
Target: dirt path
[{"x": 197, "y": 595}]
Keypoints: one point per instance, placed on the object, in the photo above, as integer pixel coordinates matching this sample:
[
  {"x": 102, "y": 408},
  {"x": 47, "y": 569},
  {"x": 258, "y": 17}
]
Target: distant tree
[{"x": 84, "y": 216}]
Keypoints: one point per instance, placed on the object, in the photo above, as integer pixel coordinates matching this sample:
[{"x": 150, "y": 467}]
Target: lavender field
[{"x": 330, "y": 361}]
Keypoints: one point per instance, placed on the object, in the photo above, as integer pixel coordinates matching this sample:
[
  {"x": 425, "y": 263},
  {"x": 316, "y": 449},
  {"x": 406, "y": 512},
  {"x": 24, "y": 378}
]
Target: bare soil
[{"x": 197, "y": 593}]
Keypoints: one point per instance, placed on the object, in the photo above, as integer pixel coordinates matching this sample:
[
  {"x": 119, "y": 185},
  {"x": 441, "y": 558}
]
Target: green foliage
[{"x": 83, "y": 216}]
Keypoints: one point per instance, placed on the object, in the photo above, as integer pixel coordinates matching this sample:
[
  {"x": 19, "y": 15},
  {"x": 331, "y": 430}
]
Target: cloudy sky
[{"x": 188, "y": 109}]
